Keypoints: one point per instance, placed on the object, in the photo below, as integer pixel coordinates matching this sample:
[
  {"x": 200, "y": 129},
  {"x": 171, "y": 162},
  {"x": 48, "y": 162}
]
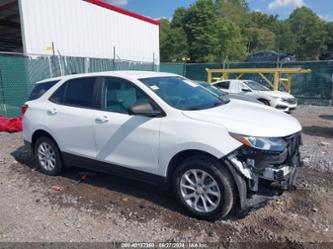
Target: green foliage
[
  {"x": 228, "y": 41},
  {"x": 241, "y": 4},
  {"x": 177, "y": 44},
  {"x": 261, "y": 20},
  {"x": 199, "y": 25},
  {"x": 286, "y": 39},
  {"x": 210, "y": 30},
  {"x": 233, "y": 10},
  {"x": 173, "y": 42},
  {"x": 259, "y": 39},
  {"x": 165, "y": 30},
  {"x": 178, "y": 18},
  {"x": 310, "y": 32},
  {"x": 329, "y": 31}
]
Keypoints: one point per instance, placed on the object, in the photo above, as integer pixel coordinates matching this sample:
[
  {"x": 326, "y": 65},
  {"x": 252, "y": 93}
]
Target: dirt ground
[{"x": 39, "y": 208}]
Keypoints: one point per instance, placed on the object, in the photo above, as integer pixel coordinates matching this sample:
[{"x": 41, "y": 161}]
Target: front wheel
[{"x": 205, "y": 188}]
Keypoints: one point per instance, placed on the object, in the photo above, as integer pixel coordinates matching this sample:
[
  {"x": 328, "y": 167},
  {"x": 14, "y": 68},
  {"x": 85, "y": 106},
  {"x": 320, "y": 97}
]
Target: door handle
[
  {"x": 103, "y": 119},
  {"x": 52, "y": 111}
]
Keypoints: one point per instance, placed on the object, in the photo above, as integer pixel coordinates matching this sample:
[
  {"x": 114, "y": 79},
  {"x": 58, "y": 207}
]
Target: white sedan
[{"x": 280, "y": 100}]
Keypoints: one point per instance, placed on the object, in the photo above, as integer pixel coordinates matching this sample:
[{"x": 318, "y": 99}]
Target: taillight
[{"x": 24, "y": 108}]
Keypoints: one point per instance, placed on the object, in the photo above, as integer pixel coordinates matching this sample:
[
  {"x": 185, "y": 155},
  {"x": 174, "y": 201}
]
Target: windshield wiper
[{"x": 197, "y": 108}]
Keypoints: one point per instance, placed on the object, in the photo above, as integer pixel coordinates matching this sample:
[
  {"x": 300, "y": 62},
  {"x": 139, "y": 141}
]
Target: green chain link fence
[
  {"x": 19, "y": 73},
  {"x": 315, "y": 88}
]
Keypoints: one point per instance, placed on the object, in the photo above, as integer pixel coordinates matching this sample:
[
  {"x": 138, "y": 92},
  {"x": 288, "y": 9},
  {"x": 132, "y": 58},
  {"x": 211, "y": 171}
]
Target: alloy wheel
[
  {"x": 46, "y": 156},
  {"x": 200, "y": 191}
]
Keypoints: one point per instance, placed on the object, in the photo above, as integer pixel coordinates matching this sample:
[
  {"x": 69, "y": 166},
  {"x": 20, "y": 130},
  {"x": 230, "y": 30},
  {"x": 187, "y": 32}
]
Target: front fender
[{"x": 188, "y": 134}]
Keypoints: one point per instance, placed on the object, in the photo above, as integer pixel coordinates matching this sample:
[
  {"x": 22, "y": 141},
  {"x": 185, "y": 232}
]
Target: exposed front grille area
[
  {"x": 294, "y": 141},
  {"x": 291, "y": 101}
]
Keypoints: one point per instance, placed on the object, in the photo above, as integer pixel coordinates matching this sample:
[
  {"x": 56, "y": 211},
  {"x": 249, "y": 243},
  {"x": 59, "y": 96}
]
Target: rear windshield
[{"x": 40, "y": 89}]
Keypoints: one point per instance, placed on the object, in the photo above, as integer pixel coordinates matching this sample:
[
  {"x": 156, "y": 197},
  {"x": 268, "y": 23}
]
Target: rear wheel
[
  {"x": 205, "y": 188},
  {"x": 48, "y": 156}
]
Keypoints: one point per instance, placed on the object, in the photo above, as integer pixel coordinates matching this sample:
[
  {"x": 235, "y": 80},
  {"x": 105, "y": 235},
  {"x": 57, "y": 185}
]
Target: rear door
[
  {"x": 122, "y": 139},
  {"x": 70, "y": 115}
]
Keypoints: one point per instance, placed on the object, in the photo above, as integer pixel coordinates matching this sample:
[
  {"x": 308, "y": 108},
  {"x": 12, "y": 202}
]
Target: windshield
[
  {"x": 211, "y": 88},
  {"x": 182, "y": 93},
  {"x": 256, "y": 86}
]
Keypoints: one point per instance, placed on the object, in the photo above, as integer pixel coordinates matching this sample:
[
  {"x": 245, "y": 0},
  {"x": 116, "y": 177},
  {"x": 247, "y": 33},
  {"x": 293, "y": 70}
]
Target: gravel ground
[{"x": 39, "y": 208}]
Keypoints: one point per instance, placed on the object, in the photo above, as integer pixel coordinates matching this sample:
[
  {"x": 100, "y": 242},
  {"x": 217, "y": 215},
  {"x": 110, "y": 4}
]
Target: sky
[{"x": 165, "y": 8}]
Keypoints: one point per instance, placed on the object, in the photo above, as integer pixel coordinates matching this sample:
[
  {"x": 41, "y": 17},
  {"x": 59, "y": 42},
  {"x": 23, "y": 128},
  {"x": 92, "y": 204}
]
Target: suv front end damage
[{"x": 267, "y": 169}]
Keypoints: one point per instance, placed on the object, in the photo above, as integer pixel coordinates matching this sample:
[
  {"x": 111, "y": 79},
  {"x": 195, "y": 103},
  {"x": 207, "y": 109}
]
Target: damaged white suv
[{"x": 163, "y": 128}]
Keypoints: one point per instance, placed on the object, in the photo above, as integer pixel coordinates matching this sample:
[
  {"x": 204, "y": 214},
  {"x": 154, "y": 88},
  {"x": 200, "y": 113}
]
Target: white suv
[
  {"x": 165, "y": 129},
  {"x": 282, "y": 101}
]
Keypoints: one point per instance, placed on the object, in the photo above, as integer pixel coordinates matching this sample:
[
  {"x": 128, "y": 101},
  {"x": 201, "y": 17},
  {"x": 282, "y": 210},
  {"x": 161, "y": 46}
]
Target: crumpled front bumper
[{"x": 270, "y": 171}]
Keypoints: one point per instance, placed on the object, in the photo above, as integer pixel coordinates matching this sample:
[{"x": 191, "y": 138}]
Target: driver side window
[{"x": 120, "y": 95}]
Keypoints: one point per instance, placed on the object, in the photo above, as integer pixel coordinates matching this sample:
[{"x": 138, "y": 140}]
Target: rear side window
[
  {"x": 80, "y": 92},
  {"x": 59, "y": 95},
  {"x": 223, "y": 85},
  {"x": 40, "y": 89},
  {"x": 76, "y": 92}
]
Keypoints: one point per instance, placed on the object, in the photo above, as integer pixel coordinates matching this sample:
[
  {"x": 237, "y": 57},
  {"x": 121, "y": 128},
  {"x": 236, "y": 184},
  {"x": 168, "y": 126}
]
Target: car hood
[
  {"x": 248, "y": 119},
  {"x": 278, "y": 94}
]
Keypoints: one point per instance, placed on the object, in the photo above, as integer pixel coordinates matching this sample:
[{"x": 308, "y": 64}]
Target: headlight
[{"x": 261, "y": 143}]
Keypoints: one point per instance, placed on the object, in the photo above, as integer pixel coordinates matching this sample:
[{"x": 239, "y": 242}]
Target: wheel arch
[
  {"x": 240, "y": 184},
  {"x": 41, "y": 133},
  {"x": 180, "y": 157},
  {"x": 265, "y": 101}
]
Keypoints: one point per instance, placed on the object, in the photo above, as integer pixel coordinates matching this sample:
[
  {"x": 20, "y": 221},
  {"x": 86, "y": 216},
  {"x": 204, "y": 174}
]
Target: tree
[
  {"x": 209, "y": 29},
  {"x": 228, "y": 40},
  {"x": 165, "y": 30},
  {"x": 243, "y": 4},
  {"x": 259, "y": 39},
  {"x": 177, "y": 45},
  {"x": 329, "y": 31},
  {"x": 199, "y": 27},
  {"x": 310, "y": 32},
  {"x": 261, "y": 20},
  {"x": 173, "y": 42},
  {"x": 285, "y": 38},
  {"x": 178, "y": 18},
  {"x": 233, "y": 10}
]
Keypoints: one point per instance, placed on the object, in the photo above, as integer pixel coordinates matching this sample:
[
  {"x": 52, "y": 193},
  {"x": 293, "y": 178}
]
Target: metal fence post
[
  {"x": 3, "y": 94},
  {"x": 114, "y": 59},
  {"x": 332, "y": 91}
]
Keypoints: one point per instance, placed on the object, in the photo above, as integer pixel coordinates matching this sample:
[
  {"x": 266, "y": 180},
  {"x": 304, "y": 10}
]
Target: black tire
[
  {"x": 58, "y": 165},
  {"x": 221, "y": 176}
]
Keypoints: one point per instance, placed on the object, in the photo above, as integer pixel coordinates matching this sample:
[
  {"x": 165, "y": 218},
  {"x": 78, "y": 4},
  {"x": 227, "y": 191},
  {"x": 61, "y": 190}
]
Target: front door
[{"x": 122, "y": 139}]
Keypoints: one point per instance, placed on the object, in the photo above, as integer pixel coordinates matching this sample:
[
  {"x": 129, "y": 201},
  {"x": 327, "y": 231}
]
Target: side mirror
[
  {"x": 247, "y": 90},
  {"x": 146, "y": 110}
]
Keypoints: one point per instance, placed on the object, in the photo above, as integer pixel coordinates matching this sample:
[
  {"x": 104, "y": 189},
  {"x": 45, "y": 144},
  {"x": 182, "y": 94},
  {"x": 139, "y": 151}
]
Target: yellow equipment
[{"x": 277, "y": 72}]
